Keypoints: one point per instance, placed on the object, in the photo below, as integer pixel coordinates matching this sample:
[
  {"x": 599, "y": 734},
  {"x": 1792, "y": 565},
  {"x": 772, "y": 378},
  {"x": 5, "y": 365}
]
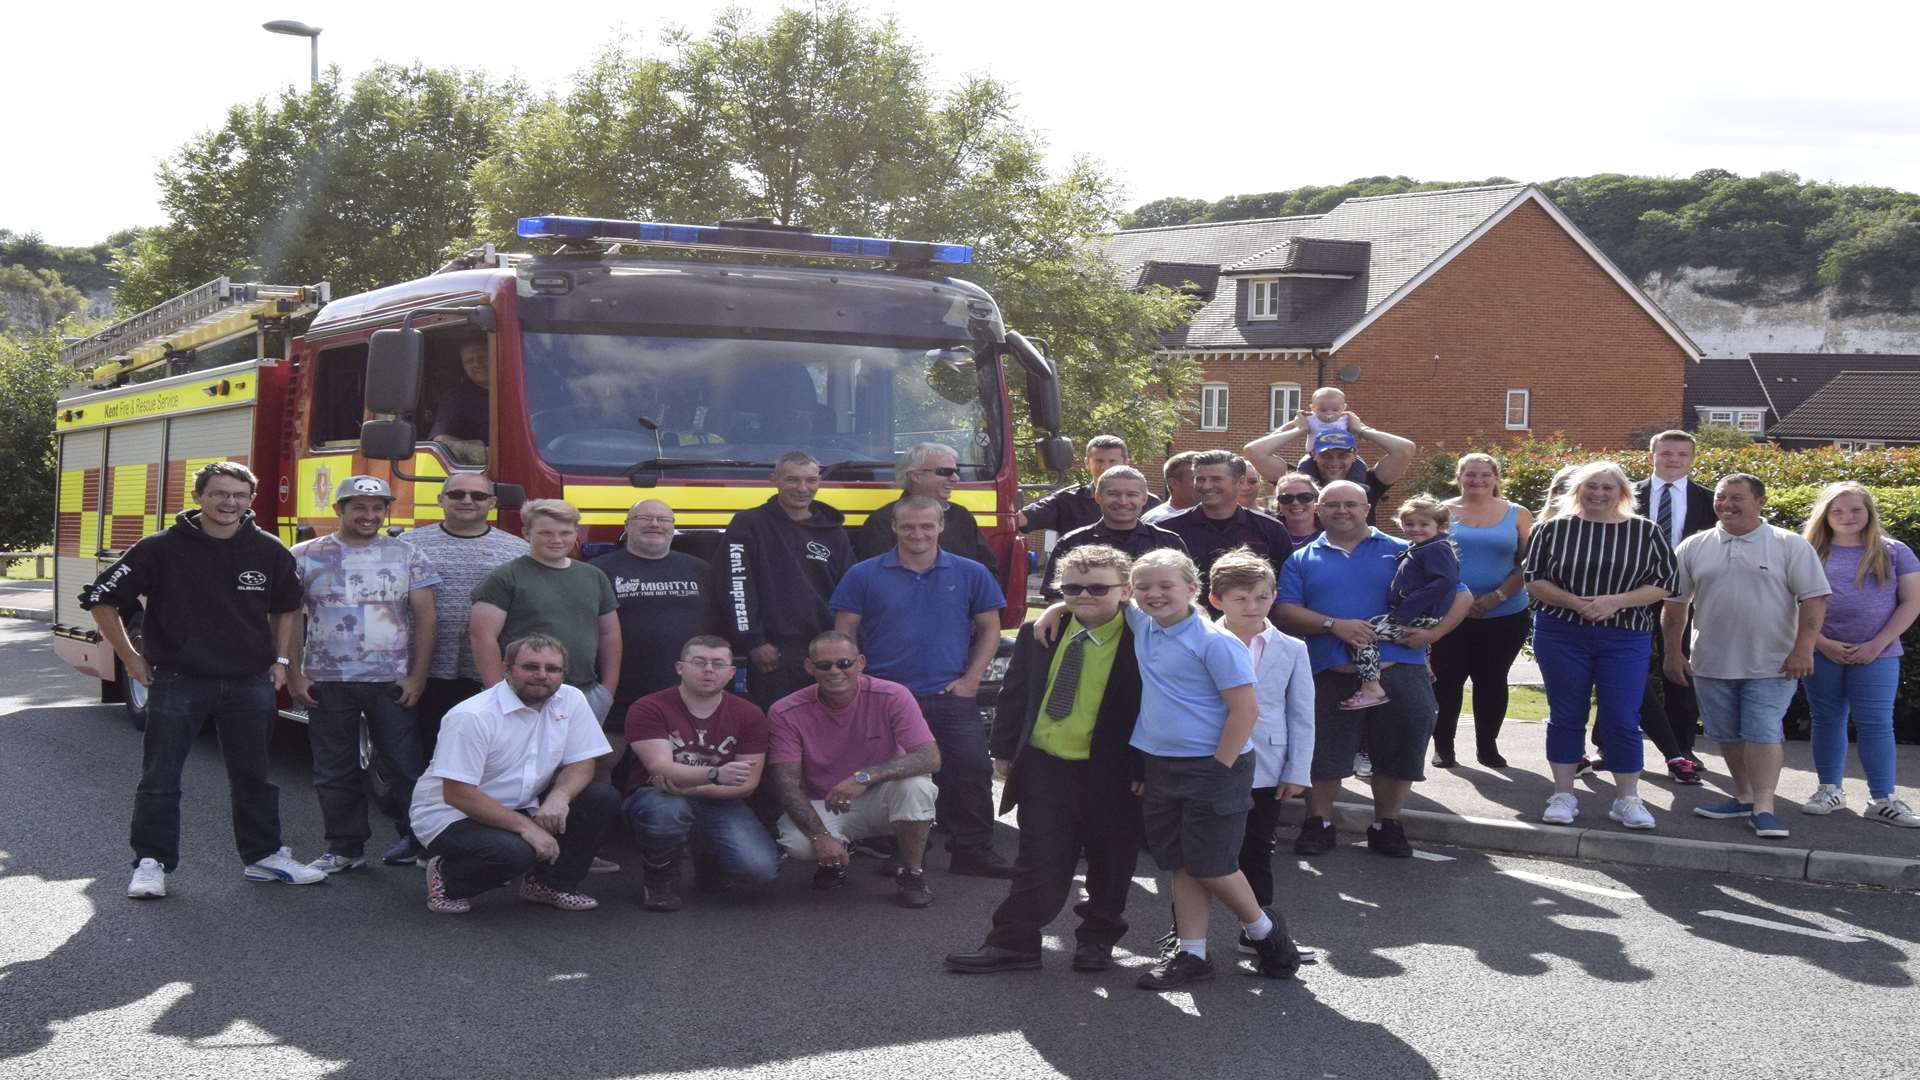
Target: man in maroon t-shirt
[{"x": 699, "y": 752}]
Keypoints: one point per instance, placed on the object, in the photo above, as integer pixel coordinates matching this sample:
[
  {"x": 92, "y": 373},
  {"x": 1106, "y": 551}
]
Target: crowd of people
[{"x": 1203, "y": 661}]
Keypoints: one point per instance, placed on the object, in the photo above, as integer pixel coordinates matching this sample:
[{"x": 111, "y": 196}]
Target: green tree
[
  {"x": 30, "y": 380},
  {"x": 35, "y": 299},
  {"x": 1172, "y": 210}
]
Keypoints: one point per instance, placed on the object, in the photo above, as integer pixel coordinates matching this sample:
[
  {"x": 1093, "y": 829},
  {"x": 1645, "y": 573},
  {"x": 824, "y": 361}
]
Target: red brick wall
[{"x": 1524, "y": 308}]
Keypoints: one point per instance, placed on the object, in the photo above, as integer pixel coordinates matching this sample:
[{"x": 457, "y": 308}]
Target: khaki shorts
[{"x": 872, "y": 814}]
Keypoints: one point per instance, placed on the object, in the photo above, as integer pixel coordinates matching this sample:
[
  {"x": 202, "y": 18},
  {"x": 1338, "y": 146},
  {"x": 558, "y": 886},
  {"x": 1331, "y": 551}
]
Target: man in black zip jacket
[
  {"x": 778, "y": 564},
  {"x": 222, "y": 597}
]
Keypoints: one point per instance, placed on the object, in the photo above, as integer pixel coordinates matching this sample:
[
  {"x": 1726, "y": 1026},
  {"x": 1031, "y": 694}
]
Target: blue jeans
[
  {"x": 1578, "y": 662},
  {"x": 333, "y": 730},
  {"x": 965, "y": 779},
  {"x": 1744, "y": 710},
  {"x": 724, "y": 837},
  {"x": 243, "y": 716},
  {"x": 1863, "y": 693}
]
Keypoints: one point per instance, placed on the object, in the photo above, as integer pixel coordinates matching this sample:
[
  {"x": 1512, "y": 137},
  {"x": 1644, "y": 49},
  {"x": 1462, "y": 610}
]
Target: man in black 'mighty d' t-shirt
[
  {"x": 664, "y": 601},
  {"x": 220, "y": 594}
]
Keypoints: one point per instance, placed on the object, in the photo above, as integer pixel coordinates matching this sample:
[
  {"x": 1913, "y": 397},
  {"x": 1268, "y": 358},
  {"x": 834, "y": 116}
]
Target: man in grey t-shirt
[{"x": 1758, "y": 596}]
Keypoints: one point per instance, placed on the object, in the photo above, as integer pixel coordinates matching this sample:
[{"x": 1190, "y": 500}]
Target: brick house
[
  {"x": 1853, "y": 401},
  {"x": 1449, "y": 317}
]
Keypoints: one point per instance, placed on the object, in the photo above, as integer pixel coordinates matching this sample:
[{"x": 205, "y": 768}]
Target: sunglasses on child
[
  {"x": 1091, "y": 590},
  {"x": 828, "y": 665}
]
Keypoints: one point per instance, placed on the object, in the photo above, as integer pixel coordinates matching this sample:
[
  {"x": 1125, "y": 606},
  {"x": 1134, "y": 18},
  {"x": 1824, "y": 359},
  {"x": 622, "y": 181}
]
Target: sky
[{"x": 1200, "y": 100}]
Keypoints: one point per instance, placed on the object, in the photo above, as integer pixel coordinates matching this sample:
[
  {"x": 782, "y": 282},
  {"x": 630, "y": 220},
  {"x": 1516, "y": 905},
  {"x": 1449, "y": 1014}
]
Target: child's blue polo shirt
[
  {"x": 1183, "y": 669},
  {"x": 916, "y": 629},
  {"x": 1321, "y": 577}
]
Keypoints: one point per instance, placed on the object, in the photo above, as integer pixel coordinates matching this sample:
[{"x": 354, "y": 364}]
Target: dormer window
[{"x": 1263, "y": 299}]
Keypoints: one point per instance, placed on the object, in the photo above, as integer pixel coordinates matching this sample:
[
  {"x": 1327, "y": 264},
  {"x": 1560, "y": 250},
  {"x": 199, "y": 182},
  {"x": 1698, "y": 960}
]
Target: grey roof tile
[
  {"x": 1859, "y": 405},
  {"x": 1723, "y": 381},
  {"x": 1791, "y": 378}
]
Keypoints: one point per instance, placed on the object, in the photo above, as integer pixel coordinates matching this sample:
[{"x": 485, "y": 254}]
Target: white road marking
[
  {"x": 1150, "y": 886},
  {"x": 1357, "y": 900},
  {"x": 1431, "y": 857},
  {"x": 1576, "y": 886},
  {"x": 1789, "y": 928}
]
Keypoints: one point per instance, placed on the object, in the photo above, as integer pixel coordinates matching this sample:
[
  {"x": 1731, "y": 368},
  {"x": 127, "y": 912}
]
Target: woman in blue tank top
[{"x": 1491, "y": 536}]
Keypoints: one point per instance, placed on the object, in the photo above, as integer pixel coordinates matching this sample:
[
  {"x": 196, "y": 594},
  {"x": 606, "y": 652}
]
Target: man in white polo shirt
[
  {"x": 510, "y": 791},
  {"x": 1759, "y": 596}
]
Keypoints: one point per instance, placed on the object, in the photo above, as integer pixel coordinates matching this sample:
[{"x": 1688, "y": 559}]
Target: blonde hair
[
  {"x": 1477, "y": 458},
  {"x": 1555, "y": 488},
  {"x": 1238, "y": 569},
  {"x": 1873, "y": 538},
  {"x": 559, "y": 510},
  {"x": 1569, "y": 500},
  {"x": 1170, "y": 559},
  {"x": 1425, "y": 506}
]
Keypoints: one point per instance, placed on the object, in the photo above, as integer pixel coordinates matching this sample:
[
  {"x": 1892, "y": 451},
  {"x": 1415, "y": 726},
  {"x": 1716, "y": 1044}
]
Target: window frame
[
  {"x": 1267, "y": 289},
  {"x": 1526, "y": 409},
  {"x": 322, "y": 382},
  {"x": 1722, "y": 417},
  {"x": 1758, "y": 417},
  {"x": 1207, "y": 396},
  {"x": 1279, "y": 416}
]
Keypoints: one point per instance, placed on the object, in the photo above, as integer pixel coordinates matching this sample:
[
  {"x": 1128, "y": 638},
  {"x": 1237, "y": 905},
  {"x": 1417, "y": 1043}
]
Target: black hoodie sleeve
[
  {"x": 125, "y": 581},
  {"x": 739, "y": 596}
]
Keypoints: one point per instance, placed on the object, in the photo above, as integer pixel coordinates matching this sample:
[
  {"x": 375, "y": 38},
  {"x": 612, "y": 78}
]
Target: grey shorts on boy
[{"x": 1196, "y": 813}]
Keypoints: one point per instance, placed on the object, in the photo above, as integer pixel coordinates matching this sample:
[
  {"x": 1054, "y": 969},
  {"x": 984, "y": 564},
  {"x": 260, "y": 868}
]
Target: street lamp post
[{"x": 293, "y": 28}]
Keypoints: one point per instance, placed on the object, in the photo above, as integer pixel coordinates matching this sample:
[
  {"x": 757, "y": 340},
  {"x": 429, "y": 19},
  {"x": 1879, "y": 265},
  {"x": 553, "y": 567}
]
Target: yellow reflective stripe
[
  {"x": 138, "y": 404},
  {"x": 689, "y": 499}
]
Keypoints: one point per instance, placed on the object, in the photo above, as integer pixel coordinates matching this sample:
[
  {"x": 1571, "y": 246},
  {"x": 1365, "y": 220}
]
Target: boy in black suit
[{"x": 1060, "y": 740}]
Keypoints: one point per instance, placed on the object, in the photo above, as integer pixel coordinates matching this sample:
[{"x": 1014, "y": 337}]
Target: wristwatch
[
  {"x": 282, "y": 661},
  {"x": 1326, "y": 626},
  {"x": 713, "y": 774},
  {"x": 862, "y": 776}
]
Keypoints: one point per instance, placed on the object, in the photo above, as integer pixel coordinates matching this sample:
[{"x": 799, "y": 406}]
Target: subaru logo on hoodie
[
  {"x": 818, "y": 551},
  {"x": 253, "y": 581}
]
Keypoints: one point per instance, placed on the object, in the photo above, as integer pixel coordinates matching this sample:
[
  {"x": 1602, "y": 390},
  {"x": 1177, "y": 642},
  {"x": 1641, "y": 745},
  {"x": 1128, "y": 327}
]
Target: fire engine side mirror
[
  {"x": 1043, "y": 384},
  {"x": 509, "y": 496},
  {"x": 386, "y": 440},
  {"x": 394, "y": 358},
  {"x": 1056, "y": 453}
]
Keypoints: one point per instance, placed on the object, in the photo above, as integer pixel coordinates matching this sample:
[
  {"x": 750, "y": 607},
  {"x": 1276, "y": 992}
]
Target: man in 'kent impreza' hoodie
[
  {"x": 222, "y": 596},
  {"x": 778, "y": 564}
]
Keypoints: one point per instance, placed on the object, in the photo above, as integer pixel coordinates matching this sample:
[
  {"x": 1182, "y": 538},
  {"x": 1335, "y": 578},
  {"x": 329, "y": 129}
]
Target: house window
[
  {"x": 1213, "y": 407},
  {"x": 1752, "y": 421},
  {"x": 1519, "y": 410},
  {"x": 1283, "y": 403},
  {"x": 1264, "y": 299},
  {"x": 1721, "y": 417},
  {"x": 1848, "y": 446}
]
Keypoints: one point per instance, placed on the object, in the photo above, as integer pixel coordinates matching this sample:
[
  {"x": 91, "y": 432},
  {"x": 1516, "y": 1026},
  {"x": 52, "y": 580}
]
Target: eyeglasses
[
  {"x": 463, "y": 496},
  {"x": 651, "y": 519},
  {"x": 947, "y": 471},
  {"x": 1303, "y": 498},
  {"x": 1075, "y": 589},
  {"x": 228, "y": 496},
  {"x": 828, "y": 665},
  {"x": 708, "y": 663}
]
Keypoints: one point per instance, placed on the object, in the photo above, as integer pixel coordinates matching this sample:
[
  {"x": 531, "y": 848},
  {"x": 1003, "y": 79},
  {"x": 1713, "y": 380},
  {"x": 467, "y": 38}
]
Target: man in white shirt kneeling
[{"x": 510, "y": 792}]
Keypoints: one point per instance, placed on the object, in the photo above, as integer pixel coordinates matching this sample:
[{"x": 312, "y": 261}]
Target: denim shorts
[
  {"x": 1196, "y": 813},
  {"x": 1744, "y": 710}
]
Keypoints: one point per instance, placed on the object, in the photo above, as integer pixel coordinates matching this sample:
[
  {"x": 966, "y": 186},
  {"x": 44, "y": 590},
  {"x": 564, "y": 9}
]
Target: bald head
[{"x": 649, "y": 529}]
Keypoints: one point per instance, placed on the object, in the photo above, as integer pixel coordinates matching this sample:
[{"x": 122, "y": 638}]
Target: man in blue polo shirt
[
  {"x": 1328, "y": 590},
  {"x": 930, "y": 620}
]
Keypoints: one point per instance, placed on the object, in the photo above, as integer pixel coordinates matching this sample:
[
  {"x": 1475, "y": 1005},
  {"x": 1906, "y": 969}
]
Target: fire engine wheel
[{"x": 132, "y": 694}]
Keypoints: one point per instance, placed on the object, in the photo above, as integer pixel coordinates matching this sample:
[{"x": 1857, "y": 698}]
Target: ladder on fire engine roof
[{"x": 209, "y": 314}]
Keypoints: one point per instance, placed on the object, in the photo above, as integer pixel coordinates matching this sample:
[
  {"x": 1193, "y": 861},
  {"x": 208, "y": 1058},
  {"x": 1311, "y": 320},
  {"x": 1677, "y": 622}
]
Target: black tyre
[{"x": 131, "y": 693}]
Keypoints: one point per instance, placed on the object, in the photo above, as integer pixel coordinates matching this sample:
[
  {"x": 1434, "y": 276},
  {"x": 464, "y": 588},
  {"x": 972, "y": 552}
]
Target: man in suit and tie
[
  {"x": 1060, "y": 740},
  {"x": 1681, "y": 508}
]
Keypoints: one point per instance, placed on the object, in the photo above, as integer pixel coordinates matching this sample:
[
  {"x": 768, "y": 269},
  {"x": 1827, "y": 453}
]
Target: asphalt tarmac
[{"x": 1455, "y": 964}]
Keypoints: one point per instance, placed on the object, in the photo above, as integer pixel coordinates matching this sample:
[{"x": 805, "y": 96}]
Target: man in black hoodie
[
  {"x": 778, "y": 565},
  {"x": 221, "y": 593}
]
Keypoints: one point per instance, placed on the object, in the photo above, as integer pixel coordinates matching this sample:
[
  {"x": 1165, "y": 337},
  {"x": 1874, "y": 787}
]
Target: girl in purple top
[{"x": 1856, "y": 666}]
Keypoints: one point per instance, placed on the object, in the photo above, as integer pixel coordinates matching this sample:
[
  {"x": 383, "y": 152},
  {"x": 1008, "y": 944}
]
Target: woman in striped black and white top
[{"x": 1596, "y": 575}]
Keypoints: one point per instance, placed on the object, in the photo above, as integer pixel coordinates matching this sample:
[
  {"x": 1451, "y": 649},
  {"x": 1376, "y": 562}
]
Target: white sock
[
  {"x": 1258, "y": 931},
  {"x": 1196, "y": 946}
]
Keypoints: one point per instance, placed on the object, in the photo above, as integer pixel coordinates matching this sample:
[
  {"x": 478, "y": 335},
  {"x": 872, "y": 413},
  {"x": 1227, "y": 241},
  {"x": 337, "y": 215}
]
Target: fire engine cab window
[
  {"x": 602, "y": 403},
  {"x": 339, "y": 396},
  {"x": 459, "y": 377}
]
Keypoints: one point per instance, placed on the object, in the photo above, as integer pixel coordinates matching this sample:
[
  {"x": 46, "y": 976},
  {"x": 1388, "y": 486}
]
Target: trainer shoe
[
  {"x": 1388, "y": 838},
  {"x": 603, "y": 866},
  {"x": 829, "y": 877},
  {"x": 1732, "y": 808},
  {"x": 1175, "y": 971},
  {"x": 1275, "y": 955},
  {"x": 149, "y": 881},
  {"x": 1092, "y": 956},
  {"x": 1826, "y": 799},
  {"x": 539, "y": 892},
  {"x": 1562, "y": 808},
  {"x": 1682, "y": 771},
  {"x": 1583, "y": 767},
  {"x": 911, "y": 889},
  {"x": 1363, "y": 766},
  {"x": 657, "y": 890},
  {"x": 403, "y": 851},
  {"x": 982, "y": 861},
  {"x": 1892, "y": 812},
  {"x": 281, "y": 866},
  {"x": 1631, "y": 812},
  {"x": 438, "y": 901},
  {"x": 1316, "y": 837},
  {"x": 1766, "y": 826},
  {"x": 335, "y": 863}
]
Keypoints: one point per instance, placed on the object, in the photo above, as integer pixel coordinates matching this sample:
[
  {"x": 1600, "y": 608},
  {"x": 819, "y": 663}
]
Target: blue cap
[{"x": 1332, "y": 440}]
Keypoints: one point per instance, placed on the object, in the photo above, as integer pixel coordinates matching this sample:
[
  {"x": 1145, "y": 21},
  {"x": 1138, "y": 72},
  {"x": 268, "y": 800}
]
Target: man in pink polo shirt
[{"x": 852, "y": 758}]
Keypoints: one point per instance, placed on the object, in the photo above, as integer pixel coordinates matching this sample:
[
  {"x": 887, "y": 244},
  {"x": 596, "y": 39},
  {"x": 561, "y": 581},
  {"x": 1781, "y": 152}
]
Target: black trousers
[
  {"x": 438, "y": 699},
  {"x": 1256, "y": 851},
  {"x": 480, "y": 857},
  {"x": 789, "y": 675},
  {"x": 1482, "y": 650},
  {"x": 1062, "y": 818}
]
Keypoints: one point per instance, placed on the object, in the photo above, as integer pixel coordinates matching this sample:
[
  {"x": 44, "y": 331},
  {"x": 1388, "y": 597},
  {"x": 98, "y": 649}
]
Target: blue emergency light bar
[{"x": 741, "y": 238}]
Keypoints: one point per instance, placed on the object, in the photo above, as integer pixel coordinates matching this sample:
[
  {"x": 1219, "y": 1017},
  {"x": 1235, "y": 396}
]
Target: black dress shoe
[
  {"x": 658, "y": 892},
  {"x": 1493, "y": 761},
  {"x": 1091, "y": 957},
  {"x": 979, "y": 862},
  {"x": 991, "y": 958},
  {"x": 1445, "y": 761}
]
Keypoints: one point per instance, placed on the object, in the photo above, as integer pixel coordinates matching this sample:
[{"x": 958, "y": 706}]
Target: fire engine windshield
[{"x": 602, "y": 403}]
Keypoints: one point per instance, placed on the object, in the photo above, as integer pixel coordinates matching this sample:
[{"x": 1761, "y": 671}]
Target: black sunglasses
[
  {"x": 463, "y": 496},
  {"x": 828, "y": 665},
  {"x": 947, "y": 471},
  {"x": 1303, "y": 498},
  {"x": 1091, "y": 590}
]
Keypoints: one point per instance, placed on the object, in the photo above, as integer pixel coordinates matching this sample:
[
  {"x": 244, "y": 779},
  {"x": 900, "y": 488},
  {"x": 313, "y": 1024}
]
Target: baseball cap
[
  {"x": 1332, "y": 440},
  {"x": 362, "y": 485}
]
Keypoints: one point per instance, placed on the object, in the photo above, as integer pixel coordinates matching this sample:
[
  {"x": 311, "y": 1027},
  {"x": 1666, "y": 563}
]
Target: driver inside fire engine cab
[{"x": 461, "y": 417}]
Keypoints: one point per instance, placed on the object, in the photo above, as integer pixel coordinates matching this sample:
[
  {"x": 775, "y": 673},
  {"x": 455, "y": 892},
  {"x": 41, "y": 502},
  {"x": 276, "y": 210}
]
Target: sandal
[{"x": 1364, "y": 700}]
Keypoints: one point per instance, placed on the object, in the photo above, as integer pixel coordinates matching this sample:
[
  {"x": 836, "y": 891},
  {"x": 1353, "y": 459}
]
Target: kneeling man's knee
[{"x": 911, "y": 798}]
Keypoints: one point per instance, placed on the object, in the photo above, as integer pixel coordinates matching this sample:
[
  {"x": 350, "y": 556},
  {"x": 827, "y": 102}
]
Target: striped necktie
[
  {"x": 1663, "y": 515},
  {"x": 1066, "y": 682}
]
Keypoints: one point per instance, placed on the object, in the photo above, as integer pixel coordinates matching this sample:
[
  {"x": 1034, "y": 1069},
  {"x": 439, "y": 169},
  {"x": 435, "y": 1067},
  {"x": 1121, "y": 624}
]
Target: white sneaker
[
  {"x": 149, "y": 881},
  {"x": 1892, "y": 811},
  {"x": 1562, "y": 808},
  {"x": 1826, "y": 799},
  {"x": 1631, "y": 812},
  {"x": 282, "y": 866},
  {"x": 333, "y": 863},
  {"x": 1362, "y": 766}
]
